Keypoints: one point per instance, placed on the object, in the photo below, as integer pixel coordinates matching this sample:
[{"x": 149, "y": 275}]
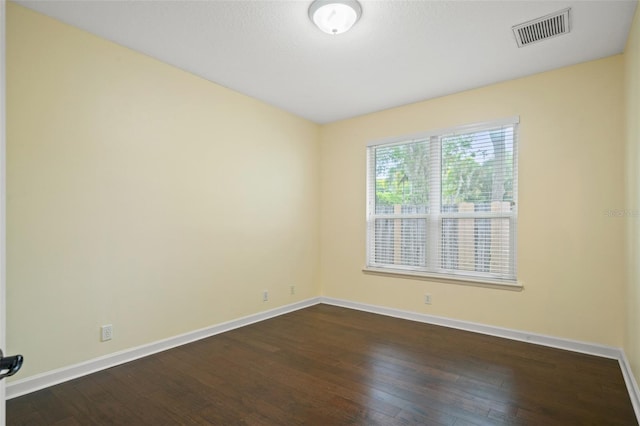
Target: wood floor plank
[{"x": 326, "y": 365}]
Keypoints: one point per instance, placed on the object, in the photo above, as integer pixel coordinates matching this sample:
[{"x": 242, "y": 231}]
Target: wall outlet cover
[{"x": 106, "y": 332}]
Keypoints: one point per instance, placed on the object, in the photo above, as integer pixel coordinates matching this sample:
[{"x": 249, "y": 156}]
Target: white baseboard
[
  {"x": 54, "y": 377},
  {"x": 537, "y": 339},
  {"x": 630, "y": 381}
]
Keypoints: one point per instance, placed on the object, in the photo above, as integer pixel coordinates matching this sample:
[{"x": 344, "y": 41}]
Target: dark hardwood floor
[{"x": 326, "y": 365}]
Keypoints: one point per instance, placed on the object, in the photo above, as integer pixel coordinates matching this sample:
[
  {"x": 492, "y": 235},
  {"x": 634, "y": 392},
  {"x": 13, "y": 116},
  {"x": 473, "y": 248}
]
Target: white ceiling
[{"x": 399, "y": 52}]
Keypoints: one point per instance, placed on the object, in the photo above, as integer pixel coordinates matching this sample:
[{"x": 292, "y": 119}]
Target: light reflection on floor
[{"x": 437, "y": 380}]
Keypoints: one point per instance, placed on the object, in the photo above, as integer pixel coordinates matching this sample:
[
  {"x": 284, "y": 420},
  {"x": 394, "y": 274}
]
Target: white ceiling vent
[{"x": 542, "y": 28}]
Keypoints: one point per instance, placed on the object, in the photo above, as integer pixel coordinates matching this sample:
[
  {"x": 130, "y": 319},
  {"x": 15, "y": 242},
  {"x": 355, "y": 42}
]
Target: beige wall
[
  {"x": 570, "y": 254},
  {"x": 632, "y": 217},
  {"x": 143, "y": 196}
]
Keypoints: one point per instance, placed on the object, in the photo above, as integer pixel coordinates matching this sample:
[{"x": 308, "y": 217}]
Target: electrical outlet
[
  {"x": 106, "y": 332},
  {"x": 293, "y": 289},
  {"x": 265, "y": 296},
  {"x": 427, "y": 299}
]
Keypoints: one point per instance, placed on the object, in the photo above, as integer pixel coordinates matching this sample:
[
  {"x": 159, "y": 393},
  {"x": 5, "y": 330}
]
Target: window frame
[{"x": 434, "y": 217}]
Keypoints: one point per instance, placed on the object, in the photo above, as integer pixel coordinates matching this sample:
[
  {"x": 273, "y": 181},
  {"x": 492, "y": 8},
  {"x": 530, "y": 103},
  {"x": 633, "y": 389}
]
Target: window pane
[
  {"x": 477, "y": 168},
  {"x": 476, "y": 244},
  {"x": 401, "y": 176},
  {"x": 401, "y": 242}
]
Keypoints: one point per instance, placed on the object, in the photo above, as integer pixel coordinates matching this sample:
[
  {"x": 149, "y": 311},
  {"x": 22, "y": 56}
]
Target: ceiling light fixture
[{"x": 335, "y": 16}]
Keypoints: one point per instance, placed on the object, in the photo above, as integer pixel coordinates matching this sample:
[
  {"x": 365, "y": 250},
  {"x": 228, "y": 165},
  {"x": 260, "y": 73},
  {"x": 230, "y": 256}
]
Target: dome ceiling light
[{"x": 335, "y": 16}]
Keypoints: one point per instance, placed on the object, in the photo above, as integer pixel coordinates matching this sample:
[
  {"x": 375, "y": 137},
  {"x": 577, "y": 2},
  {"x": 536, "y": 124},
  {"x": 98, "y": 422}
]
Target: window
[{"x": 445, "y": 204}]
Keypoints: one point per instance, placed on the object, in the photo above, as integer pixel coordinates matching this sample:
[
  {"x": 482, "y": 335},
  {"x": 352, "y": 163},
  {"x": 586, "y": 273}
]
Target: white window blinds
[{"x": 445, "y": 203}]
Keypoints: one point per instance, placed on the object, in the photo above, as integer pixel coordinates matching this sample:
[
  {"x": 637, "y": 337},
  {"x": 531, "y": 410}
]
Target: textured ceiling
[{"x": 399, "y": 52}]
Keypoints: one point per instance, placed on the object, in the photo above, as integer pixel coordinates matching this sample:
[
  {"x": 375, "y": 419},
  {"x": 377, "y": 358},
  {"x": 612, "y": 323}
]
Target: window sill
[{"x": 471, "y": 281}]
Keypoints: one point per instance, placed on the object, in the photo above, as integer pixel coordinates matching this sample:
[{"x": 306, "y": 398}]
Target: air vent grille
[{"x": 542, "y": 28}]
